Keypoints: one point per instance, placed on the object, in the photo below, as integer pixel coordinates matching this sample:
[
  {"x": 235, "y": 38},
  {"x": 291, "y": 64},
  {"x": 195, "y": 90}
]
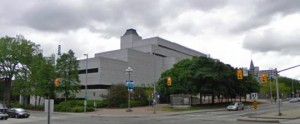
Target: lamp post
[
  {"x": 85, "y": 91},
  {"x": 154, "y": 87},
  {"x": 129, "y": 70}
]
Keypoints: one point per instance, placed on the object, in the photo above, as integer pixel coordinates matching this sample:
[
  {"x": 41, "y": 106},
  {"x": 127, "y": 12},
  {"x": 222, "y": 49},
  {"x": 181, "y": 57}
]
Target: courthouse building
[{"x": 148, "y": 58}]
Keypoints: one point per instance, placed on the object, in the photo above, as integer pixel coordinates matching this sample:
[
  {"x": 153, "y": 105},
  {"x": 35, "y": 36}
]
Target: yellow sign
[{"x": 254, "y": 104}]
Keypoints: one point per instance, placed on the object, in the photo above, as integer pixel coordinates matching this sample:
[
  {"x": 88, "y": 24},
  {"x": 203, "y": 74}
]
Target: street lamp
[
  {"x": 129, "y": 70},
  {"x": 154, "y": 87},
  {"x": 86, "y": 71}
]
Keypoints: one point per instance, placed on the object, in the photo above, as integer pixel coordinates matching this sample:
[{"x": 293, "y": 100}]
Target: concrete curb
[{"x": 259, "y": 120}]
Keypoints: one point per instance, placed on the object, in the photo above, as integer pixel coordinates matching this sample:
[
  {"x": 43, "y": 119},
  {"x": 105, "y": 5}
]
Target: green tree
[
  {"x": 282, "y": 86},
  {"x": 15, "y": 56},
  {"x": 40, "y": 80},
  {"x": 205, "y": 76},
  {"x": 67, "y": 68}
]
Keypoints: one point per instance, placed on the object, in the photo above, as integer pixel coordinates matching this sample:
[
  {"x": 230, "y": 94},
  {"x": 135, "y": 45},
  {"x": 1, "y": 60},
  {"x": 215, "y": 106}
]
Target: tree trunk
[
  {"x": 200, "y": 99},
  {"x": 213, "y": 98},
  {"x": 39, "y": 100},
  {"x": 6, "y": 91},
  {"x": 35, "y": 101},
  {"x": 240, "y": 98}
]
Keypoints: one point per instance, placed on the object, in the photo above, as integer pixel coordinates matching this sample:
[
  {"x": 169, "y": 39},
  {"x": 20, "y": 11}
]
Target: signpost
[{"x": 130, "y": 86}]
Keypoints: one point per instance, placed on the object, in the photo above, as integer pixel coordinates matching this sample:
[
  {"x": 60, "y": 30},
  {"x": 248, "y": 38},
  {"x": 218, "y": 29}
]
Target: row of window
[
  {"x": 92, "y": 70},
  {"x": 97, "y": 86}
]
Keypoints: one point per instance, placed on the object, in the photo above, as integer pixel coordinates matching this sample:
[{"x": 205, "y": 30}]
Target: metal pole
[
  {"x": 277, "y": 85},
  {"x": 154, "y": 88},
  {"x": 293, "y": 87},
  {"x": 86, "y": 72},
  {"x": 277, "y": 92},
  {"x": 129, "y": 110},
  {"x": 271, "y": 89},
  {"x": 128, "y": 70},
  {"x": 49, "y": 109}
]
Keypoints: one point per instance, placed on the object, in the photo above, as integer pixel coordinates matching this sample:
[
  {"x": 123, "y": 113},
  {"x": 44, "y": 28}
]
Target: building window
[{"x": 92, "y": 70}]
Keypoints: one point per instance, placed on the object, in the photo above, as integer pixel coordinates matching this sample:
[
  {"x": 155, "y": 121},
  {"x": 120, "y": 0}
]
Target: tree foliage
[
  {"x": 286, "y": 86},
  {"x": 206, "y": 76},
  {"x": 16, "y": 54},
  {"x": 67, "y": 68}
]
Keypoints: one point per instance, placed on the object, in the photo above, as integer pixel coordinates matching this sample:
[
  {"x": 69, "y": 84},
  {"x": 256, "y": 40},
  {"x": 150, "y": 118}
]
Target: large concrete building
[{"x": 147, "y": 57}]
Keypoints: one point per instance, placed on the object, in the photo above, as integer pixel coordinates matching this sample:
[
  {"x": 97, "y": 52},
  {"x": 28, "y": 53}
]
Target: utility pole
[{"x": 277, "y": 88}]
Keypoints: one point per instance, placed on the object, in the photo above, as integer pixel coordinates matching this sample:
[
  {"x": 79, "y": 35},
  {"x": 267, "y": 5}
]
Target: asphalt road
[{"x": 203, "y": 117}]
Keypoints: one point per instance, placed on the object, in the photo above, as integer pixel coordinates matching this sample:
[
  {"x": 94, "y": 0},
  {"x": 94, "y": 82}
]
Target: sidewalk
[
  {"x": 273, "y": 117},
  {"x": 136, "y": 111}
]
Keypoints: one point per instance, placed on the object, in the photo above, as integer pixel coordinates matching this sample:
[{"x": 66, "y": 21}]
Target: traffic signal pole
[{"x": 277, "y": 88}]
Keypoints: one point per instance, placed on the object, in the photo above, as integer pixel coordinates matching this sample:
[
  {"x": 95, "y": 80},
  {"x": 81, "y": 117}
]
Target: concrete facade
[{"x": 147, "y": 57}]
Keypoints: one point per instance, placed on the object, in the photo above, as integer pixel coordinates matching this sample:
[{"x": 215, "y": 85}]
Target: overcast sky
[{"x": 233, "y": 31}]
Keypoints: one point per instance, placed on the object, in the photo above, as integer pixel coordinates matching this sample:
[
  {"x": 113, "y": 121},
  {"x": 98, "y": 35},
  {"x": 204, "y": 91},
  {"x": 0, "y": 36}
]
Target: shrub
[
  {"x": 74, "y": 106},
  {"x": 26, "y": 106},
  {"x": 117, "y": 94},
  {"x": 134, "y": 103}
]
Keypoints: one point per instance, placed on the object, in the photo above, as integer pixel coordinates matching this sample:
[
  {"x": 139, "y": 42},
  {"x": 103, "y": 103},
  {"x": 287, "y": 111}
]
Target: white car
[
  {"x": 294, "y": 100},
  {"x": 235, "y": 106}
]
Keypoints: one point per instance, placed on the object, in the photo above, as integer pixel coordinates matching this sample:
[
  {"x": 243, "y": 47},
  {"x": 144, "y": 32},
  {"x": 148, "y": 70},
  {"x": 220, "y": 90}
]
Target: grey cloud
[
  {"x": 50, "y": 16},
  {"x": 263, "y": 11},
  {"x": 54, "y": 15},
  {"x": 273, "y": 41}
]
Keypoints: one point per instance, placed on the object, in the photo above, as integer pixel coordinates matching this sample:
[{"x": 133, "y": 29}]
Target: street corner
[{"x": 260, "y": 120}]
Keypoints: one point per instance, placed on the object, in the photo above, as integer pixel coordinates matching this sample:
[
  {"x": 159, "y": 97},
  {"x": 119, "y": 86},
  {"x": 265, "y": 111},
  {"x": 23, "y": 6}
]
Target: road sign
[
  {"x": 253, "y": 96},
  {"x": 130, "y": 85},
  {"x": 254, "y": 104}
]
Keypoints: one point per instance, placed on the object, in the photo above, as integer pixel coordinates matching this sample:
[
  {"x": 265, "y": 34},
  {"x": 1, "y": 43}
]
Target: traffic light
[
  {"x": 56, "y": 82},
  {"x": 264, "y": 78},
  {"x": 169, "y": 81},
  {"x": 239, "y": 74}
]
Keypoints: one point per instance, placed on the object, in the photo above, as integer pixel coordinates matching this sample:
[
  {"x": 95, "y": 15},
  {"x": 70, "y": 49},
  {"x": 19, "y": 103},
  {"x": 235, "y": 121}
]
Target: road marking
[
  {"x": 195, "y": 115},
  {"x": 224, "y": 116}
]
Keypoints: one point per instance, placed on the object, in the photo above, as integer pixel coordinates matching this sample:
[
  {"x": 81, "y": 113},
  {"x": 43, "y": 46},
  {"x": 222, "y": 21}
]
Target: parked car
[
  {"x": 3, "y": 116},
  {"x": 18, "y": 112},
  {"x": 294, "y": 100},
  {"x": 3, "y": 108},
  {"x": 235, "y": 106}
]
